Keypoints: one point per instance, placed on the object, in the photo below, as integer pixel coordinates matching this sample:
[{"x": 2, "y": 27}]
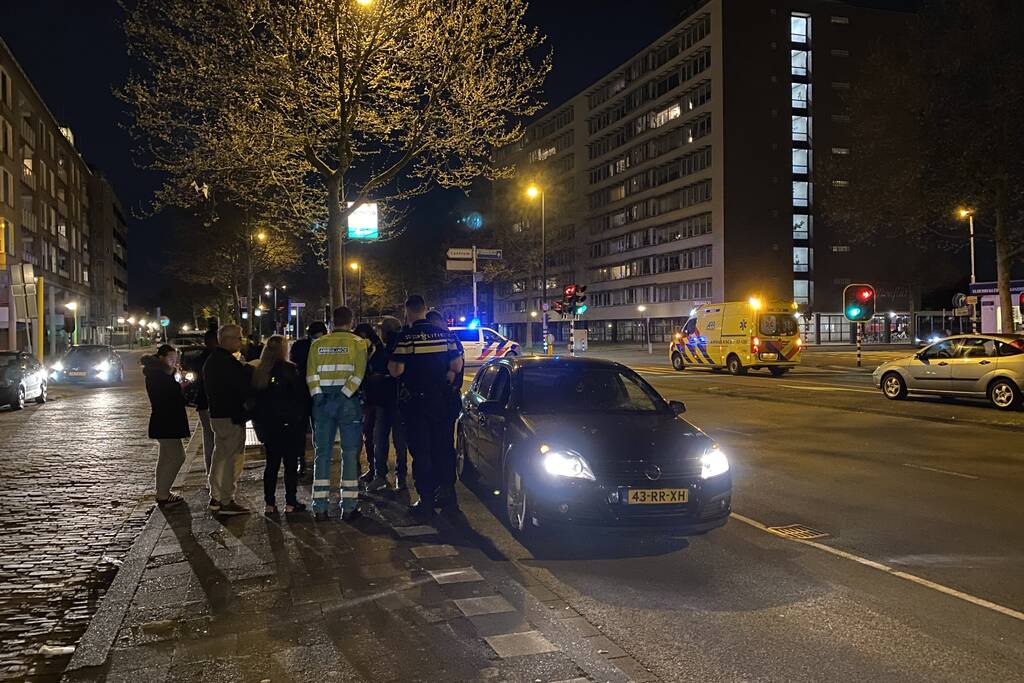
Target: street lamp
[
  {"x": 358, "y": 267},
  {"x": 534, "y": 191},
  {"x": 73, "y": 307},
  {"x": 647, "y": 327},
  {"x": 965, "y": 213}
]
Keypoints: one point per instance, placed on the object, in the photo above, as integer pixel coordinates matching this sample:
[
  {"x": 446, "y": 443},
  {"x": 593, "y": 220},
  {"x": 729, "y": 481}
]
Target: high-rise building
[
  {"x": 109, "y": 255},
  {"x": 45, "y": 213},
  {"x": 688, "y": 174}
]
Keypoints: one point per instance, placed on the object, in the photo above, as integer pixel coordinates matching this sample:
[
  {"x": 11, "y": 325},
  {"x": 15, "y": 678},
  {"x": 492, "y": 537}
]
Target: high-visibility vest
[{"x": 337, "y": 363}]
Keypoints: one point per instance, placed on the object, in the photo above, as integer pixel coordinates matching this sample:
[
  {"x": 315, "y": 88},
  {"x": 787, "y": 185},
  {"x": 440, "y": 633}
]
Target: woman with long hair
[
  {"x": 168, "y": 422},
  {"x": 279, "y": 416}
]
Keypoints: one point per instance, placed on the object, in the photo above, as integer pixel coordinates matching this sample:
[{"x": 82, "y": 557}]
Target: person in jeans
[
  {"x": 227, "y": 385},
  {"x": 202, "y": 403},
  {"x": 299, "y": 354},
  {"x": 168, "y": 422},
  {"x": 369, "y": 478},
  {"x": 337, "y": 364},
  {"x": 382, "y": 390},
  {"x": 279, "y": 417}
]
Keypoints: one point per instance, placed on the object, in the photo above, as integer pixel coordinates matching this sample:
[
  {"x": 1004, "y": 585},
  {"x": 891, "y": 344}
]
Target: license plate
[
  {"x": 657, "y": 496},
  {"x": 76, "y": 373},
  {"x": 769, "y": 356}
]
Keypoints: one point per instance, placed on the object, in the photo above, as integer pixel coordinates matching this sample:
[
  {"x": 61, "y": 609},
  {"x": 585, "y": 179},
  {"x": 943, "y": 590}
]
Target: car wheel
[
  {"x": 19, "y": 398},
  {"x": 41, "y": 398},
  {"x": 463, "y": 467},
  {"x": 677, "y": 362},
  {"x": 735, "y": 366},
  {"x": 894, "y": 387},
  {"x": 1004, "y": 394},
  {"x": 517, "y": 503},
  {"x": 511, "y": 354},
  {"x": 777, "y": 371}
]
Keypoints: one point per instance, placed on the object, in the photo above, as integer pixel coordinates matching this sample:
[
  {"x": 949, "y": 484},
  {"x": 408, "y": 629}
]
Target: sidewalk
[{"x": 254, "y": 598}]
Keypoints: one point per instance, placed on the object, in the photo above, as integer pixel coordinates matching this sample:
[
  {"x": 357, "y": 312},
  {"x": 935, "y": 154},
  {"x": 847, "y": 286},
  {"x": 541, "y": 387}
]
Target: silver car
[{"x": 970, "y": 365}]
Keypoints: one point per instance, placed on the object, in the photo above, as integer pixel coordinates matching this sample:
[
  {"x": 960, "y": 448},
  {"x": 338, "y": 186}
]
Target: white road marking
[
  {"x": 952, "y": 592},
  {"x": 732, "y": 431},
  {"x": 940, "y": 471},
  {"x": 824, "y": 387}
]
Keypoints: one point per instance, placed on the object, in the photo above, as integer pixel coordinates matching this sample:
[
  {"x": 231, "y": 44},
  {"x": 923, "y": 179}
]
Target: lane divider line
[
  {"x": 941, "y": 471},
  {"x": 952, "y": 592}
]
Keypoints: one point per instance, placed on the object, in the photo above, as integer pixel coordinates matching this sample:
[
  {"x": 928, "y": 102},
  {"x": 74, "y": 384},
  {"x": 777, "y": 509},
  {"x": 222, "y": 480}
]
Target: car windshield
[
  {"x": 780, "y": 325},
  {"x": 86, "y": 355},
  {"x": 585, "y": 389}
]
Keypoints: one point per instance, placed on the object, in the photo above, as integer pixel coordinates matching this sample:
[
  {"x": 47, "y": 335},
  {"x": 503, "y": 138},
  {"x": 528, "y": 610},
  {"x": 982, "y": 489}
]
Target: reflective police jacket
[{"x": 337, "y": 363}]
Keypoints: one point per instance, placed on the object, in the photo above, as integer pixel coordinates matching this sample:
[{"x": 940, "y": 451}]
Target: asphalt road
[{"x": 916, "y": 566}]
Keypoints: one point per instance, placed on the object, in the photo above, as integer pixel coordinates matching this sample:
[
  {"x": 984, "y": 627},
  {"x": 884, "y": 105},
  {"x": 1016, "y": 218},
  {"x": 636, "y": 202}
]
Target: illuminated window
[
  {"x": 801, "y": 161},
  {"x": 6, "y": 92},
  {"x": 6, "y": 138},
  {"x": 800, "y": 62},
  {"x": 802, "y": 291},
  {"x": 801, "y": 226},
  {"x": 799, "y": 28},
  {"x": 801, "y": 193},
  {"x": 801, "y": 259},
  {"x": 840, "y": 20},
  {"x": 801, "y": 128},
  {"x": 841, "y": 151},
  {"x": 801, "y": 95},
  {"x": 840, "y": 183}
]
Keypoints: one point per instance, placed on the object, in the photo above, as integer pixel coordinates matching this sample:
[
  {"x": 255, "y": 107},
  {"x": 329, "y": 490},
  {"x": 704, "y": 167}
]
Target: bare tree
[{"x": 310, "y": 108}]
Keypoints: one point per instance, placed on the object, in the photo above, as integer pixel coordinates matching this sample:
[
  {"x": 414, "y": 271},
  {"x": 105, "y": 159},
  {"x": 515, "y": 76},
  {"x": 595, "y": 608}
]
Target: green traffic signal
[
  {"x": 853, "y": 312},
  {"x": 581, "y": 309}
]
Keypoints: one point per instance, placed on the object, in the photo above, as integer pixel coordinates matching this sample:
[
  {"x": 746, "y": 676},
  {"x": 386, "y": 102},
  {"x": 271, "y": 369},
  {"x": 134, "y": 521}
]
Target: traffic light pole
[
  {"x": 860, "y": 336},
  {"x": 572, "y": 336}
]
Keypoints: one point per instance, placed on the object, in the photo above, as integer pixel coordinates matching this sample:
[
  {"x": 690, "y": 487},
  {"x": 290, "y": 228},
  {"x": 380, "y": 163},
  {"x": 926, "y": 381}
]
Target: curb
[{"x": 94, "y": 646}]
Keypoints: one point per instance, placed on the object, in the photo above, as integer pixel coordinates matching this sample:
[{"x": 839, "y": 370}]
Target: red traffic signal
[
  {"x": 1020, "y": 302},
  {"x": 570, "y": 291},
  {"x": 865, "y": 293}
]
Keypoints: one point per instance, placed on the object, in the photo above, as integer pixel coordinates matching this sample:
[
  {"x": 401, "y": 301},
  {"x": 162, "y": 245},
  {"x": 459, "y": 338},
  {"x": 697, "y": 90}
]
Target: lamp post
[
  {"x": 73, "y": 307},
  {"x": 533, "y": 316},
  {"x": 356, "y": 266},
  {"x": 533, "y": 191},
  {"x": 969, "y": 215},
  {"x": 647, "y": 327},
  {"x": 259, "y": 237}
]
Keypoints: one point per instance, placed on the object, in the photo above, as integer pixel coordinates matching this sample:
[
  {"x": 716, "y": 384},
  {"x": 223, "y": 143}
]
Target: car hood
[{"x": 607, "y": 441}]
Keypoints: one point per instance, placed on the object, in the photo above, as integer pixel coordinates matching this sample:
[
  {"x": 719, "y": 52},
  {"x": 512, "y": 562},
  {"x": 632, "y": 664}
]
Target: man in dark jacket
[
  {"x": 299, "y": 354},
  {"x": 202, "y": 403},
  {"x": 227, "y": 383}
]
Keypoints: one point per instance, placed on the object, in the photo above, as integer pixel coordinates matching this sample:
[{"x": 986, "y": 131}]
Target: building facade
[
  {"x": 688, "y": 174},
  {"x": 46, "y": 215},
  {"x": 109, "y": 257}
]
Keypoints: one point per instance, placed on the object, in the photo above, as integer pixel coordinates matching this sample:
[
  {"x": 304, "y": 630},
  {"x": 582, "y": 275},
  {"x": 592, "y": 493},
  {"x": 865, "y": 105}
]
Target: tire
[
  {"x": 894, "y": 387},
  {"x": 734, "y": 365},
  {"x": 777, "y": 371},
  {"x": 19, "y": 398},
  {"x": 463, "y": 466},
  {"x": 1004, "y": 394},
  {"x": 511, "y": 354},
  {"x": 517, "y": 504},
  {"x": 41, "y": 398},
  {"x": 677, "y": 362}
]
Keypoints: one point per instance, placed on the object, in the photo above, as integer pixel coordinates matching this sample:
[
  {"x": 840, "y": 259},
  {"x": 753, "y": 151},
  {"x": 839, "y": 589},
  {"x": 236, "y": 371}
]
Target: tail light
[
  {"x": 755, "y": 344},
  {"x": 799, "y": 341}
]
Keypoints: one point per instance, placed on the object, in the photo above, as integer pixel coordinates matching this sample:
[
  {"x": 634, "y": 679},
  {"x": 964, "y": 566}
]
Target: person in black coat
[
  {"x": 299, "y": 355},
  {"x": 168, "y": 423},
  {"x": 279, "y": 417}
]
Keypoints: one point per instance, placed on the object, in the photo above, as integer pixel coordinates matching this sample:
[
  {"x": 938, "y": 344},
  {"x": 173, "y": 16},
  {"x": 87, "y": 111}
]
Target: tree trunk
[
  {"x": 238, "y": 304},
  {"x": 1003, "y": 259},
  {"x": 337, "y": 232}
]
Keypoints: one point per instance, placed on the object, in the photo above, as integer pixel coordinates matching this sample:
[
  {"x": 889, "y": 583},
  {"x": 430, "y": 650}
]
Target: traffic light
[
  {"x": 569, "y": 292},
  {"x": 559, "y": 307},
  {"x": 1020, "y": 303},
  {"x": 579, "y": 307},
  {"x": 859, "y": 303}
]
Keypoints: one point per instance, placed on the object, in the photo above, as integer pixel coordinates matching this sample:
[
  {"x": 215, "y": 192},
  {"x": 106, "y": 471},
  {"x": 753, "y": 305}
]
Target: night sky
[{"x": 74, "y": 53}]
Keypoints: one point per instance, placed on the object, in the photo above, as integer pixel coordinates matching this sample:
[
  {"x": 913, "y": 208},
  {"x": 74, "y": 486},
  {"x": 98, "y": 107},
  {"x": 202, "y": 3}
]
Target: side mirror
[
  {"x": 492, "y": 408},
  {"x": 678, "y": 407}
]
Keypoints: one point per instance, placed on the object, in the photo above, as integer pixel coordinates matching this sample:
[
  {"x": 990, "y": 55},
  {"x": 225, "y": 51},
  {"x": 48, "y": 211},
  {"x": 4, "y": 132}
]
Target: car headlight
[
  {"x": 58, "y": 367},
  {"x": 103, "y": 367},
  {"x": 713, "y": 463},
  {"x": 565, "y": 464}
]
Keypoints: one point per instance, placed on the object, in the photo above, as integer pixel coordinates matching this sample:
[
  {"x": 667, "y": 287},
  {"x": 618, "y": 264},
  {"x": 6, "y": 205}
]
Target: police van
[
  {"x": 739, "y": 336},
  {"x": 481, "y": 344}
]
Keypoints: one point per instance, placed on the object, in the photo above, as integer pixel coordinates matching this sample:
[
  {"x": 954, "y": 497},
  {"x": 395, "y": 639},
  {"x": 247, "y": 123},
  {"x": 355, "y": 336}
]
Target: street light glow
[
  {"x": 364, "y": 3},
  {"x": 261, "y": 236},
  {"x": 533, "y": 192},
  {"x": 533, "y": 314},
  {"x": 641, "y": 308},
  {"x": 354, "y": 265},
  {"x": 964, "y": 213},
  {"x": 131, "y": 320},
  {"x": 120, "y": 321},
  {"x": 71, "y": 305}
]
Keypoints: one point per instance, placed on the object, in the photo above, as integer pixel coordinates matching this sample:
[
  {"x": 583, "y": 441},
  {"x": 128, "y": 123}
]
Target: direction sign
[
  {"x": 962, "y": 310},
  {"x": 460, "y": 265},
  {"x": 23, "y": 285},
  {"x": 489, "y": 254},
  {"x": 959, "y": 300},
  {"x": 459, "y": 253},
  {"x": 971, "y": 300}
]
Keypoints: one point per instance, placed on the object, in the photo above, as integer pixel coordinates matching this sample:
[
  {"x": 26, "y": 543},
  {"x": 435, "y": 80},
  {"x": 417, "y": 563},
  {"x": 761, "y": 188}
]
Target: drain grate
[{"x": 798, "y": 531}]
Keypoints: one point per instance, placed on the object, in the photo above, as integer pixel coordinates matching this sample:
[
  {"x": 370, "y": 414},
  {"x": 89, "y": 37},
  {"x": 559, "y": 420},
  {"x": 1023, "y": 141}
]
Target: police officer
[
  {"x": 446, "y": 475},
  {"x": 427, "y": 360},
  {"x": 334, "y": 372}
]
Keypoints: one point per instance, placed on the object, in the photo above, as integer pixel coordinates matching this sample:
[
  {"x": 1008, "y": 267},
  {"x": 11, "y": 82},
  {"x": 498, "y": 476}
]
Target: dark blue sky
[{"x": 74, "y": 52}]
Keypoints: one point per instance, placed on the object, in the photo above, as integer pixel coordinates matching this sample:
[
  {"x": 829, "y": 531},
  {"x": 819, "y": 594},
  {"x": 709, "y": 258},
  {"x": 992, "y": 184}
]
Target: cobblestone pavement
[{"x": 74, "y": 472}]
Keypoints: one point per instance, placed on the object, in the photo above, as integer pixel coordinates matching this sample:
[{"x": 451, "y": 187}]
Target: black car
[
  {"x": 89, "y": 364},
  {"x": 589, "y": 442},
  {"x": 22, "y": 378}
]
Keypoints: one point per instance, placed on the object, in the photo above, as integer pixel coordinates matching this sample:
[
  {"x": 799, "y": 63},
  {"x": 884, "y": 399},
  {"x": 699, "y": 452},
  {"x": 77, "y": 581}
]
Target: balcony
[
  {"x": 62, "y": 208},
  {"x": 28, "y": 177},
  {"x": 28, "y": 134},
  {"x": 62, "y": 173},
  {"x": 29, "y": 220}
]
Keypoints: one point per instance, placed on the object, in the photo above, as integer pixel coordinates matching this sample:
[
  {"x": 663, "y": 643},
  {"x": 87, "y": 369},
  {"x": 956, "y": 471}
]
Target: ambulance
[
  {"x": 738, "y": 336},
  {"x": 481, "y": 344}
]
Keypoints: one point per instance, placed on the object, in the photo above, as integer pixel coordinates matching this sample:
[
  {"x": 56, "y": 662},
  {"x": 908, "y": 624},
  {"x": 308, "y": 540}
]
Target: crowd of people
[{"x": 370, "y": 387}]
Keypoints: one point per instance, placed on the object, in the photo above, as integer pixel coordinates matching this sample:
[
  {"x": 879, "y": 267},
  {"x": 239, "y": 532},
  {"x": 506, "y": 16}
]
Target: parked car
[
  {"x": 481, "y": 344},
  {"x": 22, "y": 378},
  {"x": 588, "y": 442},
  {"x": 89, "y": 364},
  {"x": 970, "y": 365}
]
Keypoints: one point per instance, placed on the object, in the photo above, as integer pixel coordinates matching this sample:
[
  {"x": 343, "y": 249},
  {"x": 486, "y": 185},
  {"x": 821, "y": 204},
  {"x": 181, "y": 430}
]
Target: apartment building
[
  {"x": 46, "y": 214},
  {"x": 109, "y": 249},
  {"x": 687, "y": 174}
]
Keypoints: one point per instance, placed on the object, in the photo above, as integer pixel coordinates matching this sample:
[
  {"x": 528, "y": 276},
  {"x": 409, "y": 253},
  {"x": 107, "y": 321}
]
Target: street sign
[
  {"x": 23, "y": 285},
  {"x": 971, "y": 300},
  {"x": 460, "y": 253},
  {"x": 164, "y": 321},
  {"x": 959, "y": 300},
  {"x": 961, "y": 310},
  {"x": 460, "y": 265},
  {"x": 489, "y": 254}
]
